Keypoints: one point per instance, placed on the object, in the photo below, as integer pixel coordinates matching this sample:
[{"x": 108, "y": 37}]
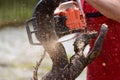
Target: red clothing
[{"x": 107, "y": 65}]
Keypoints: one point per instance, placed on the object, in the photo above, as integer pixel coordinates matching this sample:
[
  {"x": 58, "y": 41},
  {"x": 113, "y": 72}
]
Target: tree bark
[{"x": 61, "y": 68}]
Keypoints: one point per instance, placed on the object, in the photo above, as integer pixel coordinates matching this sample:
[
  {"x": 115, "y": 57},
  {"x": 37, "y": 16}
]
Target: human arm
[{"x": 109, "y": 8}]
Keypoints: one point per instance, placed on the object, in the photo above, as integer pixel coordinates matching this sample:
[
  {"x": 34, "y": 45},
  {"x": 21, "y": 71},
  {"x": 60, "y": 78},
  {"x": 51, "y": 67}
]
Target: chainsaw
[{"x": 69, "y": 19}]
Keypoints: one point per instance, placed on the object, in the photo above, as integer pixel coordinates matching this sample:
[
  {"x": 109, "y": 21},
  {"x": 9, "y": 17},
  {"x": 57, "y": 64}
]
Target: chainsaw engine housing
[{"x": 69, "y": 21}]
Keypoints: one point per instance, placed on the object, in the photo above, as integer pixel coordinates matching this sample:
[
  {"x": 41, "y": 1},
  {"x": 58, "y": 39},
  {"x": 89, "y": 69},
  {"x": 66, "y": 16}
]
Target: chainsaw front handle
[{"x": 29, "y": 32}]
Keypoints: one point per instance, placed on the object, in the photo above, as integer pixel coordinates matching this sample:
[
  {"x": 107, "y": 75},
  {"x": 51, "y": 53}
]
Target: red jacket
[{"x": 107, "y": 65}]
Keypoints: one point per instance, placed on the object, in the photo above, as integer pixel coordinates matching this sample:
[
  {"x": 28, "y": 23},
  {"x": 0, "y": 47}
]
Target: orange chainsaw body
[{"x": 75, "y": 19}]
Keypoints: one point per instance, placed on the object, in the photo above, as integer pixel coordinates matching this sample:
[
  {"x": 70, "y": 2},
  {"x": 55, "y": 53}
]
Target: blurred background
[{"x": 17, "y": 56}]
